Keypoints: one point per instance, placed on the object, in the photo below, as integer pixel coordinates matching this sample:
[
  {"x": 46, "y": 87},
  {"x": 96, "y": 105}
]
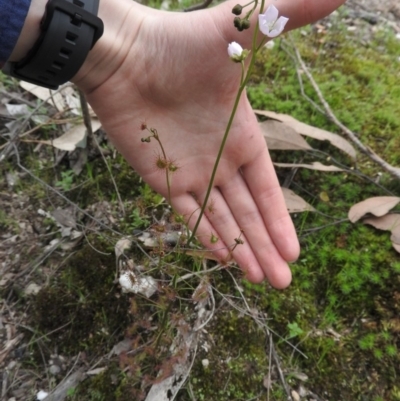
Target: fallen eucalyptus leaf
[
  {"x": 49, "y": 96},
  {"x": 121, "y": 246},
  {"x": 62, "y": 99},
  {"x": 314, "y": 166},
  {"x": 74, "y": 137},
  {"x": 64, "y": 218},
  {"x": 389, "y": 222},
  {"x": 378, "y": 206},
  {"x": 312, "y": 132},
  {"x": 294, "y": 203},
  {"x": 16, "y": 110},
  {"x": 282, "y": 137}
]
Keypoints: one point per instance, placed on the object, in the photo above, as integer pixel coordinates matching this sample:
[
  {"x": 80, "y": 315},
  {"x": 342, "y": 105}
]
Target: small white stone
[
  {"x": 270, "y": 44},
  {"x": 295, "y": 395},
  {"x": 145, "y": 285},
  {"x": 32, "y": 289},
  {"x": 205, "y": 363},
  {"x": 41, "y": 395},
  {"x": 127, "y": 280}
]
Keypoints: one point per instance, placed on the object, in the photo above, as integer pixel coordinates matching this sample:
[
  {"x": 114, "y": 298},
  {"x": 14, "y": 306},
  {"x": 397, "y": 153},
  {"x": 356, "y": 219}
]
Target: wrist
[{"x": 121, "y": 19}]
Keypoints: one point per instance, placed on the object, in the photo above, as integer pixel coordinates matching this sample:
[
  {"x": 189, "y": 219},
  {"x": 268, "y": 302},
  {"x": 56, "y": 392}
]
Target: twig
[
  {"x": 88, "y": 124},
  {"x": 4, "y": 386},
  {"x": 395, "y": 171},
  {"x": 275, "y": 356},
  {"x": 200, "y": 273}
]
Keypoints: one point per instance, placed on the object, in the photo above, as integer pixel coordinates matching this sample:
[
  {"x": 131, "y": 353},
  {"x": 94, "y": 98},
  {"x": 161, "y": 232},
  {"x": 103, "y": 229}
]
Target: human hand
[{"x": 172, "y": 71}]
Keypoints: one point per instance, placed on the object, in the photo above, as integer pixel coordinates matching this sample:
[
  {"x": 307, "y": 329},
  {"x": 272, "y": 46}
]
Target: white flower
[
  {"x": 235, "y": 50},
  {"x": 269, "y": 23}
]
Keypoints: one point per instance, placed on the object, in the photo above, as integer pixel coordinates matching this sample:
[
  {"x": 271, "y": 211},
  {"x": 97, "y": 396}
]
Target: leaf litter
[{"x": 312, "y": 132}]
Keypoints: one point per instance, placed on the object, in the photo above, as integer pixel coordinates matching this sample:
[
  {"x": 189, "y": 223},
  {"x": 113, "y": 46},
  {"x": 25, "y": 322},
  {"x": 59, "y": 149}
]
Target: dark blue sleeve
[{"x": 12, "y": 19}]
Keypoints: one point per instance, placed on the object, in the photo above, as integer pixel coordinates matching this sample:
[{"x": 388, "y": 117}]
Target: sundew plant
[{"x": 271, "y": 25}]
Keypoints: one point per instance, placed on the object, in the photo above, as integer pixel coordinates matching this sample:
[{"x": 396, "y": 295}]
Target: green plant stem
[
  {"x": 166, "y": 169},
  {"x": 227, "y": 130}
]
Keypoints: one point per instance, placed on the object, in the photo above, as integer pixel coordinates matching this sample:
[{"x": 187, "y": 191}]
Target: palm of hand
[{"x": 190, "y": 107}]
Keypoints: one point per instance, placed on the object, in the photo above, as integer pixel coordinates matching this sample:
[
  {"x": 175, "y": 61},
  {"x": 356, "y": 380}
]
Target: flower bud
[
  {"x": 237, "y": 10},
  {"x": 237, "y": 22},
  {"x": 245, "y": 24},
  {"x": 236, "y": 52}
]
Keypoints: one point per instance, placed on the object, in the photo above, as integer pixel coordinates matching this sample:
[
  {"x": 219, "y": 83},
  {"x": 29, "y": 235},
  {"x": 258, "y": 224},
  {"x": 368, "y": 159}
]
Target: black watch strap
[{"x": 69, "y": 30}]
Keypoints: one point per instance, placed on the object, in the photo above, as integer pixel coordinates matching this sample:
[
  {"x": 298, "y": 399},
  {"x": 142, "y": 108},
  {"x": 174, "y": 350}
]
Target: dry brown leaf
[
  {"x": 294, "y": 203},
  {"x": 73, "y": 138},
  {"x": 313, "y": 166},
  {"x": 65, "y": 98},
  {"x": 60, "y": 99},
  {"x": 378, "y": 206},
  {"x": 312, "y": 132},
  {"x": 281, "y": 137},
  {"x": 389, "y": 222}
]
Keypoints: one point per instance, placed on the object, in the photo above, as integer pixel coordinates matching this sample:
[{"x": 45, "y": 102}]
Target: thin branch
[
  {"x": 394, "y": 171},
  {"x": 278, "y": 366}
]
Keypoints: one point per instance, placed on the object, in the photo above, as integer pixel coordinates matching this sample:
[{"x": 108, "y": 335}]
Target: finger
[
  {"x": 221, "y": 248},
  {"x": 269, "y": 198},
  {"x": 187, "y": 207},
  {"x": 220, "y": 216},
  {"x": 248, "y": 217},
  {"x": 299, "y": 12}
]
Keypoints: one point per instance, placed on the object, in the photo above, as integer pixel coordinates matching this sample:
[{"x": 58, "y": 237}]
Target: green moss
[{"x": 84, "y": 301}]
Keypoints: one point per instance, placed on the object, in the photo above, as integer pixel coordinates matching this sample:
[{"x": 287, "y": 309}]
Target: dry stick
[
  {"x": 395, "y": 171},
  {"x": 278, "y": 366},
  {"x": 88, "y": 124}
]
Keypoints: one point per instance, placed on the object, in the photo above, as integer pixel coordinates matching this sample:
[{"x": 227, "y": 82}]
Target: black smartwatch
[{"x": 69, "y": 30}]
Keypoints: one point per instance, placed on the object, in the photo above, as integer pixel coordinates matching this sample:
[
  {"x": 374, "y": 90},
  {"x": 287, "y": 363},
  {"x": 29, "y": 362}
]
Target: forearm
[{"x": 30, "y": 31}]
